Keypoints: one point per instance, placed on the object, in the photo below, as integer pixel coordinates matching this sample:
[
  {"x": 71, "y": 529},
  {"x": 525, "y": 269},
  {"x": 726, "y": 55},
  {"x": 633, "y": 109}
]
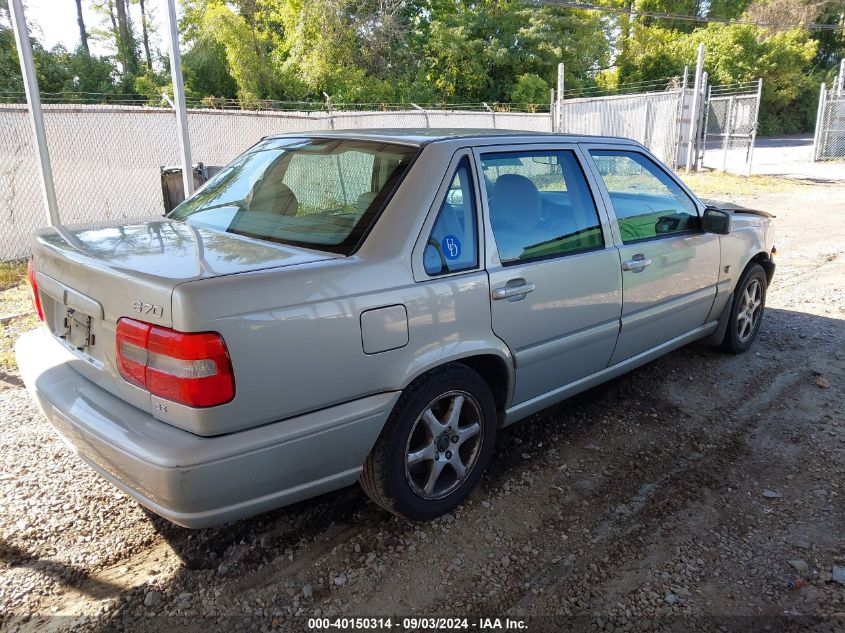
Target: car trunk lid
[{"x": 91, "y": 276}]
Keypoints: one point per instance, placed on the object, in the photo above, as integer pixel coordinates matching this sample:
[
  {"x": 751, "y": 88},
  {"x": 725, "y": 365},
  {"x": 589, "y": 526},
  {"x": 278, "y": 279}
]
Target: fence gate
[
  {"x": 830, "y": 122},
  {"x": 730, "y": 126}
]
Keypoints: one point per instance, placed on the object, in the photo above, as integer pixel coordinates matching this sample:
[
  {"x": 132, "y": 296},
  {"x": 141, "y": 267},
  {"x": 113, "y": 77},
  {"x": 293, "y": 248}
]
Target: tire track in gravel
[
  {"x": 648, "y": 502},
  {"x": 655, "y": 500}
]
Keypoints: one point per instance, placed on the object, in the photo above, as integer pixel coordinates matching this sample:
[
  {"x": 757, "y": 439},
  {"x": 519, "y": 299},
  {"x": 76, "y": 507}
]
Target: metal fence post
[
  {"x": 552, "y": 110},
  {"x": 559, "y": 94},
  {"x": 817, "y": 137},
  {"x": 841, "y": 87},
  {"x": 681, "y": 103},
  {"x": 754, "y": 129},
  {"x": 706, "y": 123},
  {"x": 728, "y": 125},
  {"x": 702, "y": 109},
  {"x": 696, "y": 97},
  {"x": 36, "y": 117},
  {"x": 179, "y": 99},
  {"x": 329, "y": 109},
  {"x": 647, "y": 124}
]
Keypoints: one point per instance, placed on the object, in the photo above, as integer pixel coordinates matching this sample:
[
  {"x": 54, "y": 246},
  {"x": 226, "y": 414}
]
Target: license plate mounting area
[{"x": 77, "y": 330}]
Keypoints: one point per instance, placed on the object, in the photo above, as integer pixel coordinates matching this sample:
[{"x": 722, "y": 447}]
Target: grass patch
[
  {"x": 719, "y": 183},
  {"x": 12, "y": 274},
  {"x": 16, "y": 312}
]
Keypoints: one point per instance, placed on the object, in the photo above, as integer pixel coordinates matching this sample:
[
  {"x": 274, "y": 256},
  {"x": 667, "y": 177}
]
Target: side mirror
[{"x": 716, "y": 221}]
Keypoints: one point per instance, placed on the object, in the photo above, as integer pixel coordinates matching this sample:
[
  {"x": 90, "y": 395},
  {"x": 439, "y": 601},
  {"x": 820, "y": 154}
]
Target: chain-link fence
[
  {"x": 650, "y": 118},
  {"x": 106, "y": 160},
  {"x": 730, "y": 125},
  {"x": 830, "y": 123}
]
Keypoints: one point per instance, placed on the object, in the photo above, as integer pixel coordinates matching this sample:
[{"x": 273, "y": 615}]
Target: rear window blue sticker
[{"x": 451, "y": 247}]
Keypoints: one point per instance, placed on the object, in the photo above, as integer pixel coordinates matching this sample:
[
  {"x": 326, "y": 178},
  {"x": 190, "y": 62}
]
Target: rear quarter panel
[{"x": 294, "y": 337}]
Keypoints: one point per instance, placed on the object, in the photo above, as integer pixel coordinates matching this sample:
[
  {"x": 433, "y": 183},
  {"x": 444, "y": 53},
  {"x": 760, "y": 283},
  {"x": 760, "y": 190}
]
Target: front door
[
  {"x": 554, "y": 273},
  {"x": 670, "y": 268}
]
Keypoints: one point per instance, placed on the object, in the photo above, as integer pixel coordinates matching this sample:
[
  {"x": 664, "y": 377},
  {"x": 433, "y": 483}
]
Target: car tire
[
  {"x": 435, "y": 445},
  {"x": 746, "y": 315}
]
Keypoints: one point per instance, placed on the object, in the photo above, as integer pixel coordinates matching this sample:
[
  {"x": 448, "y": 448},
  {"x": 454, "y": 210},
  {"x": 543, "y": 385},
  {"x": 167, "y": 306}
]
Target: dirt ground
[{"x": 687, "y": 495}]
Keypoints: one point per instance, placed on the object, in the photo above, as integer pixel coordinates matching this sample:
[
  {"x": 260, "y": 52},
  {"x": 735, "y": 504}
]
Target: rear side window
[
  {"x": 647, "y": 202},
  {"x": 453, "y": 243},
  {"x": 318, "y": 193},
  {"x": 540, "y": 205}
]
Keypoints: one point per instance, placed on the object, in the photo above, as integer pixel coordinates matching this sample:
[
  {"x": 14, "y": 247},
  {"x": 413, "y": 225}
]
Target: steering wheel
[{"x": 443, "y": 264}]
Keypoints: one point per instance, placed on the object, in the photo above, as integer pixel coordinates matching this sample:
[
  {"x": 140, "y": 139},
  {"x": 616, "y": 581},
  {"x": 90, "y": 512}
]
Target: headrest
[
  {"x": 365, "y": 200},
  {"x": 516, "y": 202},
  {"x": 273, "y": 196}
]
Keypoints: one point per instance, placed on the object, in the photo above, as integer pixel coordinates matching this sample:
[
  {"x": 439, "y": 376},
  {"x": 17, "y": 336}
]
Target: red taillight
[
  {"x": 33, "y": 286},
  {"x": 188, "y": 368}
]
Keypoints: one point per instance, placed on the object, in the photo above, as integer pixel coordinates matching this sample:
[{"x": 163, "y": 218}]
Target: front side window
[
  {"x": 453, "y": 243},
  {"x": 540, "y": 205},
  {"x": 318, "y": 193},
  {"x": 647, "y": 202}
]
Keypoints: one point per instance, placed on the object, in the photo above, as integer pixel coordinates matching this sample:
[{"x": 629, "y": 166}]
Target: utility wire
[{"x": 569, "y": 4}]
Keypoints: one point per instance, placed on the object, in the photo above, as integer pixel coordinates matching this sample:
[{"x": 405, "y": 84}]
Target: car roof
[{"x": 424, "y": 136}]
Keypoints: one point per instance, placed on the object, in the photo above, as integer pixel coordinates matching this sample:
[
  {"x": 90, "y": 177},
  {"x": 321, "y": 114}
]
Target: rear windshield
[{"x": 317, "y": 193}]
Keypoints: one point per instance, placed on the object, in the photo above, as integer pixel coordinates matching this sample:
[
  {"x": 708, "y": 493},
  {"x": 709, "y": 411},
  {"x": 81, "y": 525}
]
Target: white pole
[
  {"x": 819, "y": 121},
  {"x": 696, "y": 97},
  {"x": 841, "y": 77},
  {"x": 36, "y": 117},
  {"x": 840, "y": 84},
  {"x": 702, "y": 111},
  {"x": 552, "y": 109},
  {"x": 559, "y": 94},
  {"x": 179, "y": 99}
]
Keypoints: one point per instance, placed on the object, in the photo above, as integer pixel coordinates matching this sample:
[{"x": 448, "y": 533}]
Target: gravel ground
[{"x": 689, "y": 493}]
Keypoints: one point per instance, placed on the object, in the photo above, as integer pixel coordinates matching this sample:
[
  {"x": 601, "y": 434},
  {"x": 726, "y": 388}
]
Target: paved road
[{"x": 788, "y": 156}]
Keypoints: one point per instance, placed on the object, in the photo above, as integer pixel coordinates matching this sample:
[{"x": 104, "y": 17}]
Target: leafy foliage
[
  {"x": 441, "y": 51},
  {"x": 735, "y": 53}
]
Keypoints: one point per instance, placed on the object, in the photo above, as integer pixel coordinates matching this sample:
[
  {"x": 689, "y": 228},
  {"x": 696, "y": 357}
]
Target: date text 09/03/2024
[{"x": 418, "y": 624}]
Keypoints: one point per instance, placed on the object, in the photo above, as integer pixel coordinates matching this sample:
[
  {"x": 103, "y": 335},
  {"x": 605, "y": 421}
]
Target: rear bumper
[{"x": 191, "y": 480}]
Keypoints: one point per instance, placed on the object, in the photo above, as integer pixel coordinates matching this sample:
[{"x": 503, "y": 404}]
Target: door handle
[
  {"x": 513, "y": 291},
  {"x": 637, "y": 264}
]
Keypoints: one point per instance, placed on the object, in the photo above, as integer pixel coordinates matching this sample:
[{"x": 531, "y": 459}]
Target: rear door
[
  {"x": 670, "y": 267},
  {"x": 554, "y": 271}
]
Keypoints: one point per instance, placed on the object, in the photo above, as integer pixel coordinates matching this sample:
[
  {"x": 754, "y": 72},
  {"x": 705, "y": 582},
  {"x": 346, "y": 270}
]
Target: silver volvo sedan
[{"x": 373, "y": 305}]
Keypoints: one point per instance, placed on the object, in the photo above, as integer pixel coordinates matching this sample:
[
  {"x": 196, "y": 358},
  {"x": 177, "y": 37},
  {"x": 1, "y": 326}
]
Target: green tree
[
  {"x": 530, "y": 88},
  {"x": 235, "y": 28},
  {"x": 118, "y": 32},
  {"x": 80, "y": 22},
  {"x": 734, "y": 53},
  {"x": 476, "y": 50},
  {"x": 207, "y": 70},
  {"x": 11, "y": 83},
  {"x": 145, "y": 32}
]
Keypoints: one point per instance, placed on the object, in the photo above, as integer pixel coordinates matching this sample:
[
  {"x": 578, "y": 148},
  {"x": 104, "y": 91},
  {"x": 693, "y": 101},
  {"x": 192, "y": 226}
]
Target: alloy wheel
[
  {"x": 444, "y": 445},
  {"x": 750, "y": 311}
]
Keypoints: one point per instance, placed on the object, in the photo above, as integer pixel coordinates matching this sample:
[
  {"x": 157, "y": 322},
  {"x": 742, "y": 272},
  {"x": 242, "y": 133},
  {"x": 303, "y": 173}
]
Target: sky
[{"x": 54, "y": 22}]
